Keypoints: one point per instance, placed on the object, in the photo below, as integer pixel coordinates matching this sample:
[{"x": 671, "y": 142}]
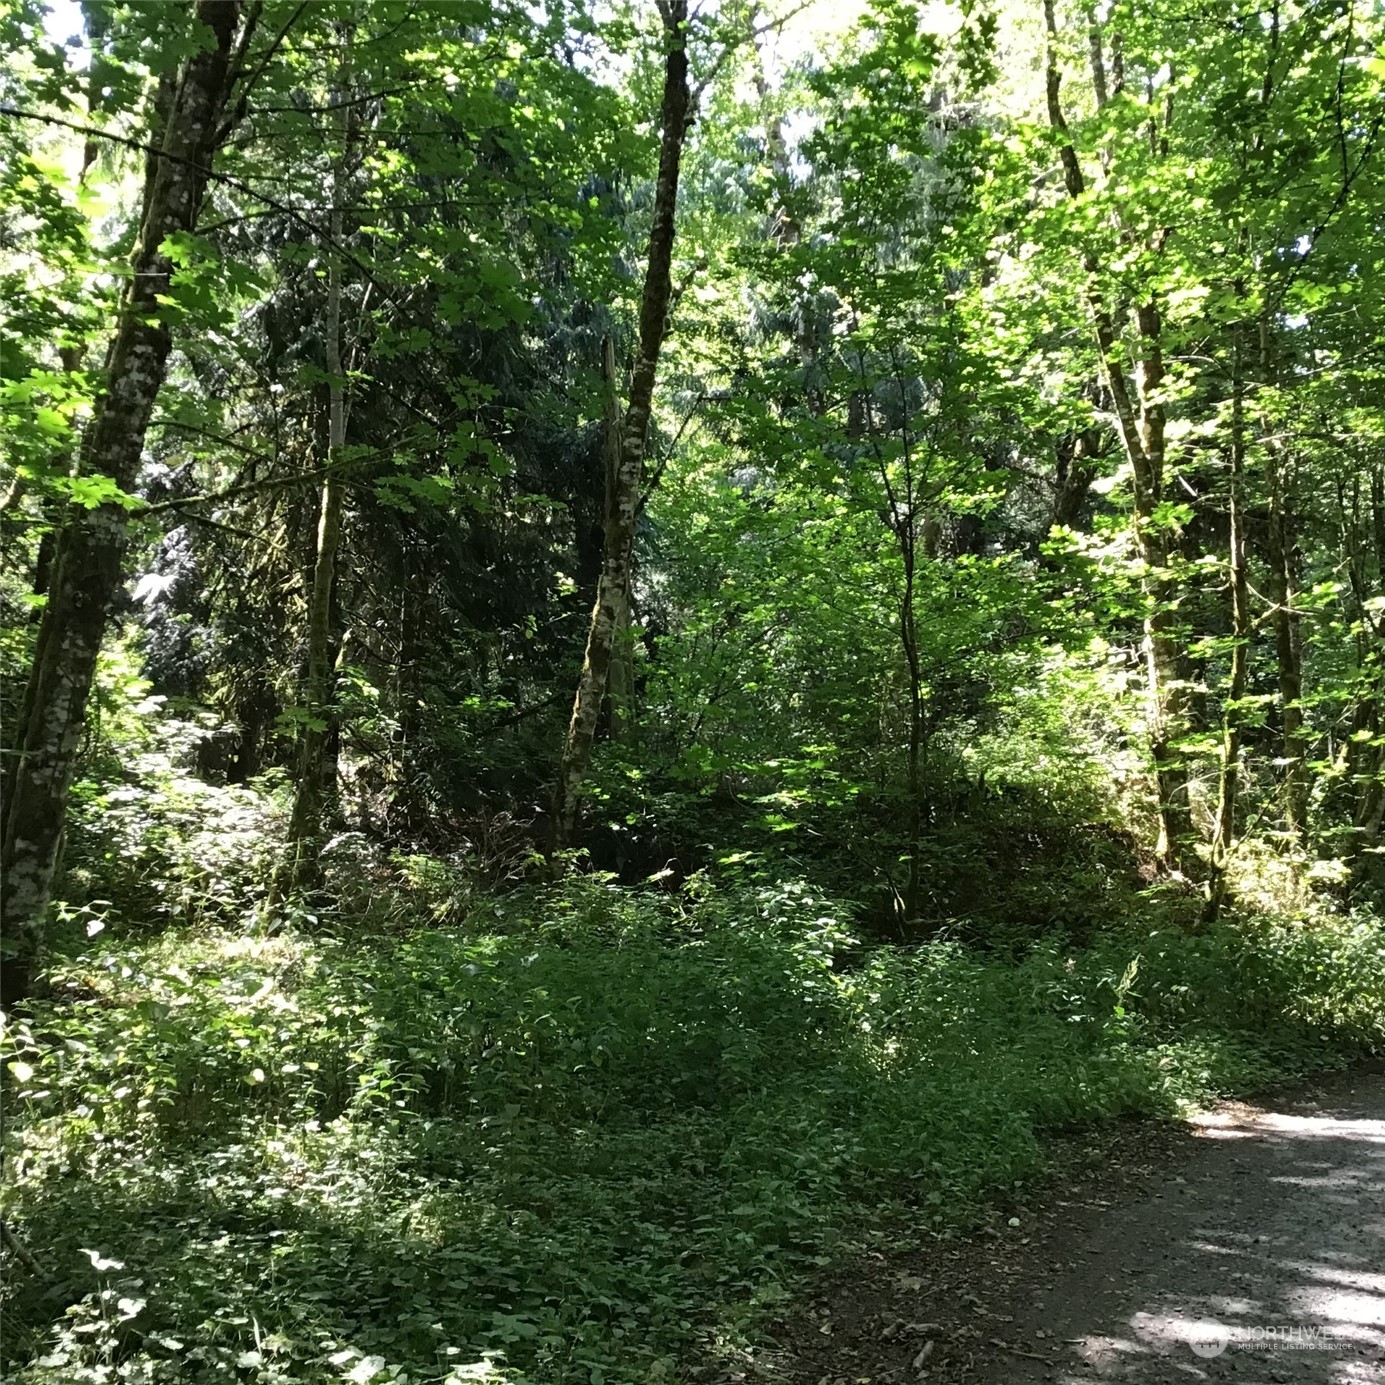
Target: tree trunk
[
  {"x": 1075, "y": 468},
  {"x": 620, "y": 681},
  {"x": 1369, "y": 815},
  {"x": 1224, "y": 824},
  {"x": 1283, "y": 593},
  {"x": 315, "y": 784},
  {"x": 623, "y": 495},
  {"x": 786, "y": 232},
  {"x": 1141, "y": 425},
  {"x": 311, "y": 791},
  {"x": 1096, "y": 57},
  {"x": 1168, "y": 709},
  {"x": 406, "y": 796},
  {"x": 87, "y": 567},
  {"x": 909, "y": 639}
]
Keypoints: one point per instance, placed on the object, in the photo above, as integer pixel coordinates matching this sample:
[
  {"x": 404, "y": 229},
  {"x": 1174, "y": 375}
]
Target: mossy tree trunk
[
  {"x": 623, "y": 486},
  {"x": 91, "y": 548}
]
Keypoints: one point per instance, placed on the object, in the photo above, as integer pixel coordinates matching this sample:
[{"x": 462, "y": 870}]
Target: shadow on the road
[{"x": 1283, "y": 1277}]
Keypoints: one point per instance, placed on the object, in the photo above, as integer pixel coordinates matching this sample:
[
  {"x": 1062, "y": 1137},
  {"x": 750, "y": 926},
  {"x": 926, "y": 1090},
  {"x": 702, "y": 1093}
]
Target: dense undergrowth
[
  {"x": 911, "y": 646},
  {"x": 591, "y": 1134}
]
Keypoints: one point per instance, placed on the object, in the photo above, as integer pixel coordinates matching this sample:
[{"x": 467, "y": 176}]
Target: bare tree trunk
[
  {"x": 909, "y": 638},
  {"x": 623, "y": 498},
  {"x": 1224, "y": 824},
  {"x": 620, "y": 682},
  {"x": 91, "y": 549},
  {"x": 1283, "y": 593},
  {"x": 316, "y": 768}
]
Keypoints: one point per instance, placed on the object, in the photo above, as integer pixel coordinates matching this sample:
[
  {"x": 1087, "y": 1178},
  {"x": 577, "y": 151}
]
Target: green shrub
[{"x": 605, "y": 1131}]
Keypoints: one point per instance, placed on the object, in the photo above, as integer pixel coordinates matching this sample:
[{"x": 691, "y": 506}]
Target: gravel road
[
  {"x": 1249, "y": 1247},
  {"x": 1261, "y": 1259}
]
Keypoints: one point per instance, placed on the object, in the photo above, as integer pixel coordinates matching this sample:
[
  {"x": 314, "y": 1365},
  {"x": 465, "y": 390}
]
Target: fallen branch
[{"x": 19, "y": 1250}]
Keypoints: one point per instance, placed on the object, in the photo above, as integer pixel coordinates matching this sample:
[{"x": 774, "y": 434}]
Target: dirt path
[{"x": 1249, "y": 1248}]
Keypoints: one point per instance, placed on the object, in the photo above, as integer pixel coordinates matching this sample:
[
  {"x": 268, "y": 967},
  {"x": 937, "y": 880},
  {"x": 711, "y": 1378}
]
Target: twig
[
  {"x": 247, "y": 80},
  {"x": 224, "y": 528},
  {"x": 19, "y": 1250},
  {"x": 268, "y": 483},
  {"x": 652, "y": 484},
  {"x": 226, "y": 179},
  {"x": 777, "y": 22},
  {"x": 1020, "y": 1351}
]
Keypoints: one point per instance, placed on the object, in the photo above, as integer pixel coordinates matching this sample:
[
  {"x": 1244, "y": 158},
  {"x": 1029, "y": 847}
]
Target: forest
[{"x": 644, "y": 643}]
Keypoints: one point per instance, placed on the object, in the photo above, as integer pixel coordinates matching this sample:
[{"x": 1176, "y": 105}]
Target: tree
[
  {"x": 315, "y": 786},
  {"x": 189, "y": 122},
  {"x": 1141, "y": 413},
  {"x": 624, "y": 477}
]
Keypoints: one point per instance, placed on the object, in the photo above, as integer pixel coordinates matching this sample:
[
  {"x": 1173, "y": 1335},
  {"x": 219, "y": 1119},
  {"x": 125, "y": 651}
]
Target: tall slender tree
[
  {"x": 624, "y": 478},
  {"x": 315, "y": 785},
  {"x": 1141, "y": 413}
]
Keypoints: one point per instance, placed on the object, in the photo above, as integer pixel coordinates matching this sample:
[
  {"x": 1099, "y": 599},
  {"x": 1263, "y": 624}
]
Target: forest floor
[{"x": 1247, "y": 1245}]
